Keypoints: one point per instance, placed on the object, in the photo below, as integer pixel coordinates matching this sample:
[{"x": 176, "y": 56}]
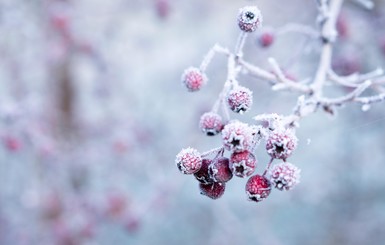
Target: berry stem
[
  {"x": 268, "y": 166},
  {"x": 212, "y": 151},
  {"x": 238, "y": 51}
]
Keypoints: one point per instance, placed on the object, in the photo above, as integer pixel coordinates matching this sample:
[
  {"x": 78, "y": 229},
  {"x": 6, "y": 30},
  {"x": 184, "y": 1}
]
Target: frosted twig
[
  {"x": 212, "y": 151},
  {"x": 371, "y": 99},
  {"x": 210, "y": 55},
  {"x": 352, "y": 80},
  {"x": 349, "y": 97}
]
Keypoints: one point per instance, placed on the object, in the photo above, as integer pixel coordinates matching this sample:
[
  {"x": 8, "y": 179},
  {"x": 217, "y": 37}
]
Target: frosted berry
[
  {"x": 220, "y": 170},
  {"x": 281, "y": 144},
  {"x": 243, "y": 163},
  {"x": 203, "y": 175},
  {"x": 249, "y": 18},
  {"x": 237, "y": 136},
  {"x": 213, "y": 190},
  {"x": 188, "y": 161},
  {"x": 240, "y": 99},
  {"x": 284, "y": 176},
  {"x": 258, "y": 188},
  {"x": 193, "y": 79},
  {"x": 211, "y": 123},
  {"x": 266, "y": 39}
]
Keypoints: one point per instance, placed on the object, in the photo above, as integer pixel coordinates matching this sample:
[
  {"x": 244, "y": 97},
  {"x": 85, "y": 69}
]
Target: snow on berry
[
  {"x": 237, "y": 136},
  {"x": 203, "y": 175},
  {"x": 188, "y": 161},
  {"x": 249, "y": 18},
  {"x": 213, "y": 190},
  {"x": 281, "y": 144},
  {"x": 243, "y": 163},
  {"x": 211, "y": 123},
  {"x": 258, "y": 188},
  {"x": 240, "y": 99},
  {"x": 219, "y": 170},
  {"x": 193, "y": 79},
  {"x": 284, "y": 176}
]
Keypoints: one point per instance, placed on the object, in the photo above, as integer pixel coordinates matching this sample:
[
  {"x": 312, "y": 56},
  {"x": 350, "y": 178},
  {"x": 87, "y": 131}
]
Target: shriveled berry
[
  {"x": 237, "y": 136},
  {"x": 284, "y": 176},
  {"x": 220, "y": 170},
  {"x": 258, "y": 188},
  {"x": 213, "y": 190},
  {"x": 281, "y": 144},
  {"x": 243, "y": 163},
  {"x": 188, "y": 161},
  {"x": 203, "y": 175},
  {"x": 193, "y": 79},
  {"x": 211, "y": 123},
  {"x": 240, "y": 99},
  {"x": 249, "y": 18}
]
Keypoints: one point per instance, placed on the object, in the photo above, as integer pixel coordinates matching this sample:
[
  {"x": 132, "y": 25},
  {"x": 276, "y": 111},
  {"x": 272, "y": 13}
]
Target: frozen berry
[
  {"x": 243, "y": 163},
  {"x": 240, "y": 99},
  {"x": 213, "y": 190},
  {"x": 281, "y": 144},
  {"x": 237, "y": 136},
  {"x": 284, "y": 176},
  {"x": 219, "y": 170},
  {"x": 203, "y": 175},
  {"x": 188, "y": 161},
  {"x": 249, "y": 18},
  {"x": 211, "y": 123},
  {"x": 193, "y": 79},
  {"x": 258, "y": 188},
  {"x": 266, "y": 39}
]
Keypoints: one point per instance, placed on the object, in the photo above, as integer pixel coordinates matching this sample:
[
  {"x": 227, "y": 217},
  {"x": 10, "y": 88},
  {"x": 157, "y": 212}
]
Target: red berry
[
  {"x": 266, "y": 39},
  {"x": 203, "y": 175},
  {"x": 213, "y": 190},
  {"x": 220, "y": 170},
  {"x": 12, "y": 144},
  {"x": 281, "y": 144},
  {"x": 193, "y": 79},
  {"x": 243, "y": 163},
  {"x": 237, "y": 136},
  {"x": 284, "y": 176},
  {"x": 211, "y": 123},
  {"x": 240, "y": 99},
  {"x": 249, "y": 18},
  {"x": 188, "y": 161},
  {"x": 257, "y": 188}
]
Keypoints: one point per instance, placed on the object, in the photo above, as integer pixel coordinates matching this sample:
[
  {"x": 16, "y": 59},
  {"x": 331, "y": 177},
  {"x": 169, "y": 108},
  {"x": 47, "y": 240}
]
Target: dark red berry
[
  {"x": 219, "y": 170},
  {"x": 213, "y": 190},
  {"x": 203, "y": 175}
]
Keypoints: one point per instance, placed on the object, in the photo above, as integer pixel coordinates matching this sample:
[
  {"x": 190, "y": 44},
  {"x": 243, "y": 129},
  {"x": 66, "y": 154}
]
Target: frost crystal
[{"x": 237, "y": 136}]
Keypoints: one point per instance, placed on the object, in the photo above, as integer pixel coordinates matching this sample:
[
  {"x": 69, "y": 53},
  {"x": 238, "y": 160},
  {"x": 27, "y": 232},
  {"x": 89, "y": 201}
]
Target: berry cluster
[{"x": 238, "y": 139}]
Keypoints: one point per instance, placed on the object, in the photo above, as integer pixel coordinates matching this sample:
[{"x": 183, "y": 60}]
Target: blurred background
[{"x": 92, "y": 114}]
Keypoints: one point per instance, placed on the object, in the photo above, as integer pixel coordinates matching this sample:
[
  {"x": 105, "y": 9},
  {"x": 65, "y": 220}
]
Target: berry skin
[
  {"x": 240, "y": 99},
  {"x": 249, "y": 18},
  {"x": 237, "y": 136},
  {"x": 220, "y": 171},
  {"x": 213, "y": 190},
  {"x": 243, "y": 163},
  {"x": 193, "y": 79},
  {"x": 257, "y": 188},
  {"x": 266, "y": 39},
  {"x": 203, "y": 175},
  {"x": 211, "y": 123},
  {"x": 284, "y": 176},
  {"x": 281, "y": 144},
  {"x": 188, "y": 161}
]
